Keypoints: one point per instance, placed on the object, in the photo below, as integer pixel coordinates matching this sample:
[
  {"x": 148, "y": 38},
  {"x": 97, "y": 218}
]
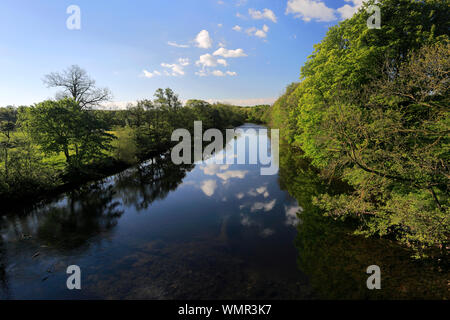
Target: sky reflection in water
[{"x": 160, "y": 232}]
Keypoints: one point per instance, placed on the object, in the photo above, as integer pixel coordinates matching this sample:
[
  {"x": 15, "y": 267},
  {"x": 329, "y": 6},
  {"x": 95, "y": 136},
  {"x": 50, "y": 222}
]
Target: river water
[{"x": 202, "y": 231}]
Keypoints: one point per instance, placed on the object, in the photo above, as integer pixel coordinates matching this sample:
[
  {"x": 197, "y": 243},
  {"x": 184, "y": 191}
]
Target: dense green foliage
[
  {"x": 258, "y": 114},
  {"x": 372, "y": 109},
  {"x": 335, "y": 259},
  {"x": 63, "y": 142}
]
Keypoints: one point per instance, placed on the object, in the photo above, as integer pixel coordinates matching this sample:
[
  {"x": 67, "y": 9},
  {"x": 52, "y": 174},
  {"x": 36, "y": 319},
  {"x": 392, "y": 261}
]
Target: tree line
[
  {"x": 68, "y": 140},
  {"x": 372, "y": 109}
]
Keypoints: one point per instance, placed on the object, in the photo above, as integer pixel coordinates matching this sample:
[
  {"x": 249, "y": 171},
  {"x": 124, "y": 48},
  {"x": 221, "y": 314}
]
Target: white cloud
[
  {"x": 117, "y": 105},
  {"x": 261, "y": 33},
  {"x": 310, "y": 10},
  {"x": 149, "y": 74},
  {"x": 265, "y": 14},
  {"x": 211, "y": 169},
  {"x": 177, "y": 69},
  {"x": 218, "y": 73},
  {"x": 240, "y": 16},
  {"x": 267, "y": 206},
  {"x": 240, "y": 195},
  {"x": 291, "y": 214},
  {"x": 258, "y": 191},
  {"x": 237, "y": 28},
  {"x": 174, "y": 44},
  {"x": 240, "y": 174},
  {"x": 208, "y": 60},
  {"x": 347, "y": 11},
  {"x": 201, "y": 73},
  {"x": 229, "y": 53},
  {"x": 183, "y": 61},
  {"x": 242, "y": 102},
  {"x": 209, "y": 187},
  {"x": 203, "y": 40},
  {"x": 261, "y": 190},
  {"x": 220, "y": 25}
]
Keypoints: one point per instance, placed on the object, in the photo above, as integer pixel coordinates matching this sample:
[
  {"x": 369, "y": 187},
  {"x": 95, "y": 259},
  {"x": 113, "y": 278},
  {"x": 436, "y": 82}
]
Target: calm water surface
[
  {"x": 204, "y": 231},
  {"x": 160, "y": 231}
]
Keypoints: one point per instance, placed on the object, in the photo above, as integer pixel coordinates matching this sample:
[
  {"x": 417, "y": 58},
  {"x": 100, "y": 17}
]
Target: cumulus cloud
[
  {"x": 174, "y": 44},
  {"x": 208, "y": 60},
  {"x": 176, "y": 68},
  {"x": 240, "y": 195},
  {"x": 229, "y": 53},
  {"x": 237, "y": 28},
  {"x": 347, "y": 11},
  {"x": 149, "y": 74},
  {"x": 309, "y": 10},
  {"x": 265, "y": 14},
  {"x": 211, "y": 169},
  {"x": 203, "y": 40},
  {"x": 291, "y": 214},
  {"x": 240, "y": 174},
  {"x": 209, "y": 187},
  {"x": 266, "y": 206},
  {"x": 219, "y": 73},
  {"x": 183, "y": 61},
  {"x": 261, "y": 33},
  {"x": 258, "y": 191}
]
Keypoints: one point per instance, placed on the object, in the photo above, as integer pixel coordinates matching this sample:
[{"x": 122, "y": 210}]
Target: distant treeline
[
  {"x": 372, "y": 109},
  {"x": 63, "y": 142}
]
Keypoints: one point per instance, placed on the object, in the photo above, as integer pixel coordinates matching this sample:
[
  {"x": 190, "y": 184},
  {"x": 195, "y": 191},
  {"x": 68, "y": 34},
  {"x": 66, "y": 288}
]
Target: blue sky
[{"x": 191, "y": 46}]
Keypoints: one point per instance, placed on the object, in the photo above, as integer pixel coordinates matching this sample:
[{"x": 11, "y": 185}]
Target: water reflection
[
  {"x": 88, "y": 212},
  {"x": 150, "y": 181},
  {"x": 160, "y": 231},
  {"x": 203, "y": 231},
  {"x": 336, "y": 260}
]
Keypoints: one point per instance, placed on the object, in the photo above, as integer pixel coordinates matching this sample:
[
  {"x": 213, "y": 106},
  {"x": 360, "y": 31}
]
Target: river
[{"x": 202, "y": 231}]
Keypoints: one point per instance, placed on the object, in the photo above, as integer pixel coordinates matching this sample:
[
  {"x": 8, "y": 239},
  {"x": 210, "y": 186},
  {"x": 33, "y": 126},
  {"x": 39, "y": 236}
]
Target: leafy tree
[
  {"x": 372, "y": 109},
  {"x": 61, "y": 126},
  {"x": 8, "y": 119}
]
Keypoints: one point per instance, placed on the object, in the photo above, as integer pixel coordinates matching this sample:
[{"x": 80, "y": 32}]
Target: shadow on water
[
  {"x": 89, "y": 212},
  {"x": 70, "y": 224},
  {"x": 336, "y": 260},
  {"x": 150, "y": 181}
]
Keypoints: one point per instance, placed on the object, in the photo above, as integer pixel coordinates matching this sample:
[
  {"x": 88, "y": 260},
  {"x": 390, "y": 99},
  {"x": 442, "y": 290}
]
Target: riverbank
[{"x": 41, "y": 159}]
